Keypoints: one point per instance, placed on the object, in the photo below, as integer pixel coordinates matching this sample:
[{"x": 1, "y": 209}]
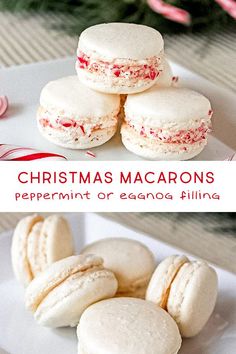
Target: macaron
[
  {"x": 127, "y": 325},
  {"x": 186, "y": 290},
  {"x": 166, "y": 123},
  {"x": 37, "y": 243},
  {"x": 60, "y": 294},
  {"x": 119, "y": 57},
  {"x": 131, "y": 262},
  {"x": 73, "y": 116}
]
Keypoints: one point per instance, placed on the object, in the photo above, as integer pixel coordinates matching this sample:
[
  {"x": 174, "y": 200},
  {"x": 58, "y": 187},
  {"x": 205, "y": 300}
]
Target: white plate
[
  {"x": 19, "y": 334},
  {"x": 23, "y": 85}
]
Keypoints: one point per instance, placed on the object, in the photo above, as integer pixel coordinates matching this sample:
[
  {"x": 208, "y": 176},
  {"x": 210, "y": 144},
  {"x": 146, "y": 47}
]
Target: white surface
[
  {"x": 23, "y": 85},
  {"x": 21, "y": 335}
]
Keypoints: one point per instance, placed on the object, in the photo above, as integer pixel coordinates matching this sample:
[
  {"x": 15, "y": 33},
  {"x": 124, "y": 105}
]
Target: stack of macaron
[
  {"x": 117, "y": 60},
  {"x": 122, "y": 302}
]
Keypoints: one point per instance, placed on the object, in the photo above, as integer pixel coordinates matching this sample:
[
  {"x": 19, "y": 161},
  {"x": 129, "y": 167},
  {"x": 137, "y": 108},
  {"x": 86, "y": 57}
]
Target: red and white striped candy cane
[
  {"x": 229, "y": 6},
  {"x": 17, "y": 153},
  {"x": 170, "y": 12}
]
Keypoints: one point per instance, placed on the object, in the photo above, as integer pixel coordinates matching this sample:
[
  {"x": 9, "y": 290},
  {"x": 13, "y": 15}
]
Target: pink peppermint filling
[
  {"x": 64, "y": 124},
  {"x": 148, "y": 71},
  {"x": 190, "y": 136}
]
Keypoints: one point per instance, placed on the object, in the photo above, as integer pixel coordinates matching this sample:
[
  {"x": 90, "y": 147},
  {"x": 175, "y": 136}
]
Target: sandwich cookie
[
  {"x": 73, "y": 116},
  {"x": 37, "y": 243},
  {"x": 119, "y": 57},
  {"x": 130, "y": 261},
  {"x": 186, "y": 290},
  {"x": 127, "y": 325},
  {"x": 60, "y": 294},
  {"x": 166, "y": 123}
]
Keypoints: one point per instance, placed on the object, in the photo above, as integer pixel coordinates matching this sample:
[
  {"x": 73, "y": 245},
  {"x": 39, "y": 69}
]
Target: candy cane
[
  {"x": 17, "y": 153},
  {"x": 229, "y": 6},
  {"x": 3, "y": 105},
  {"x": 170, "y": 12}
]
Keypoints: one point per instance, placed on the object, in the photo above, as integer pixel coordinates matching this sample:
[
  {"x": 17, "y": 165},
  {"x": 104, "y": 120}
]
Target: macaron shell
[
  {"x": 33, "y": 249},
  {"x": 192, "y": 297},
  {"x": 110, "y": 41},
  {"x": 160, "y": 283},
  {"x": 127, "y": 325},
  {"x": 64, "y": 305},
  {"x": 56, "y": 241},
  {"x": 167, "y": 107},
  {"x": 70, "y": 96},
  {"x": 56, "y": 273},
  {"x": 131, "y": 261},
  {"x": 20, "y": 263}
]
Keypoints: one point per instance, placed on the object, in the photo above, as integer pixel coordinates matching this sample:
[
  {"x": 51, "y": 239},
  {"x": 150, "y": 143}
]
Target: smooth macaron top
[
  {"x": 127, "y": 325},
  {"x": 54, "y": 275},
  {"x": 131, "y": 261},
  {"x": 121, "y": 40},
  {"x": 70, "y": 97},
  {"x": 166, "y": 106}
]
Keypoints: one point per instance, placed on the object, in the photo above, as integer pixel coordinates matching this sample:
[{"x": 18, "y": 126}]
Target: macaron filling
[
  {"x": 60, "y": 121},
  {"x": 82, "y": 128},
  {"x": 74, "y": 276},
  {"x": 126, "y": 69},
  {"x": 168, "y": 136}
]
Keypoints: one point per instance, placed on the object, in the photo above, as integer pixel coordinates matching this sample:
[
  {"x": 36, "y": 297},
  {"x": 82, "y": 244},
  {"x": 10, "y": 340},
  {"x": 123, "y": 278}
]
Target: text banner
[{"x": 118, "y": 186}]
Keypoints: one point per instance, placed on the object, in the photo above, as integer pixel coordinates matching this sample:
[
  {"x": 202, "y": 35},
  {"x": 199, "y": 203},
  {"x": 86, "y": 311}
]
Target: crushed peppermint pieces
[
  {"x": 137, "y": 71},
  {"x": 82, "y": 129},
  {"x": 175, "y": 79},
  {"x": 90, "y": 154}
]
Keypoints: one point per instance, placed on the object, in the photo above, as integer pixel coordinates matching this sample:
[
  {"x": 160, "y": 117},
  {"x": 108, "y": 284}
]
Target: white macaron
[
  {"x": 166, "y": 123},
  {"x": 119, "y": 57},
  {"x": 127, "y": 326},
  {"x": 37, "y": 243},
  {"x": 187, "y": 290},
  {"x": 73, "y": 116},
  {"x": 131, "y": 261},
  {"x": 60, "y": 294}
]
